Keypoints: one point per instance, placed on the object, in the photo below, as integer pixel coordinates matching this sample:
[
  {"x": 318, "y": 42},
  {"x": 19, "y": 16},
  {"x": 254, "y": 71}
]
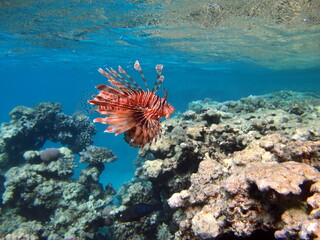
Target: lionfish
[{"x": 130, "y": 109}]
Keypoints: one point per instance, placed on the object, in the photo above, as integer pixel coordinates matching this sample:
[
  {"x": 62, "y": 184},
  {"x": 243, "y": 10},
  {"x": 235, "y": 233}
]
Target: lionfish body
[{"x": 130, "y": 109}]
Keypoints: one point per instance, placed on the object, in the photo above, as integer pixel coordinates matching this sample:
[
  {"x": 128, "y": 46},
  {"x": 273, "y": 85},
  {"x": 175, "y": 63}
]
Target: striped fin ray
[
  {"x": 158, "y": 84},
  {"x": 122, "y": 84},
  {"x": 160, "y": 78},
  {"x": 136, "y": 85},
  {"x": 165, "y": 94},
  {"x": 111, "y": 79},
  {"x": 114, "y": 82},
  {"x": 110, "y": 90},
  {"x": 119, "y": 121},
  {"x": 139, "y": 69},
  {"x": 124, "y": 81},
  {"x": 100, "y": 101},
  {"x": 159, "y": 69},
  {"x": 109, "y": 93}
]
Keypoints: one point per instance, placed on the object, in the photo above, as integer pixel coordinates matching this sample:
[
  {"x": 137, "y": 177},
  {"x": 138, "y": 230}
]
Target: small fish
[
  {"x": 137, "y": 211},
  {"x": 129, "y": 108}
]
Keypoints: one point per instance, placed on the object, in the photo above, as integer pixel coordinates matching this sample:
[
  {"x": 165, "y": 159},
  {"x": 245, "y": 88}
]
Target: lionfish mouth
[{"x": 130, "y": 109}]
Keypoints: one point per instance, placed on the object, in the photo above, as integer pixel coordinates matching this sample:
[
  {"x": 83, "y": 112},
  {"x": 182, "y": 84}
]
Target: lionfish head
[{"x": 167, "y": 110}]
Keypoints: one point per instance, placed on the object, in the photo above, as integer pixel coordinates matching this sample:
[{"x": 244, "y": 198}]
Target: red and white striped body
[{"x": 131, "y": 110}]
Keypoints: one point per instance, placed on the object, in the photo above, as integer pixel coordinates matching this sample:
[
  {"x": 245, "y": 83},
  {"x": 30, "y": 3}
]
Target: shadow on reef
[
  {"x": 257, "y": 235},
  {"x": 41, "y": 213}
]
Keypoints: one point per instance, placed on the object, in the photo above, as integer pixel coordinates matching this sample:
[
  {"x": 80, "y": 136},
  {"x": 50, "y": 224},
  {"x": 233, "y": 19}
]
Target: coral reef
[
  {"x": 30, "y": 128},
  {"x": 40, "y": 199},
  {"x": 139, "y": 210},
  {"x": 247, "y": 169},
  {"x": 96, "y": 157},
  {"x": 44, "y": 194}
]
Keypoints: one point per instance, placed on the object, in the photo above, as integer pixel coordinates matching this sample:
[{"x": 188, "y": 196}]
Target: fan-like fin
[
  {"x": 111, "y": 90},
  {"x": 122, "y": 80},
  {"x": 135, "y": 86},
  {"x": 114, "y": 82},
  {"x": 112, "y": 105}
]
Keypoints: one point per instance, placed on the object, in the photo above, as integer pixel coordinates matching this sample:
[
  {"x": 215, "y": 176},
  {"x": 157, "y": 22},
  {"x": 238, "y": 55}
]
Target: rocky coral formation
[
  {"x": 40, "y": 198},
  {"x": 95, "y": 155},
  {"x": 44, "y": 195},
  {"x": 139, "y": 210},
  {"x": 245, "y": 168},
  {"x": 253, "y": 197},
  {"x": 30, "y": 128}
]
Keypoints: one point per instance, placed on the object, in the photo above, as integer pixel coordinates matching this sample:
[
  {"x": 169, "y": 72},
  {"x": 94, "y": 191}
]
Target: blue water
[{"x": 51, "y": 50}]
